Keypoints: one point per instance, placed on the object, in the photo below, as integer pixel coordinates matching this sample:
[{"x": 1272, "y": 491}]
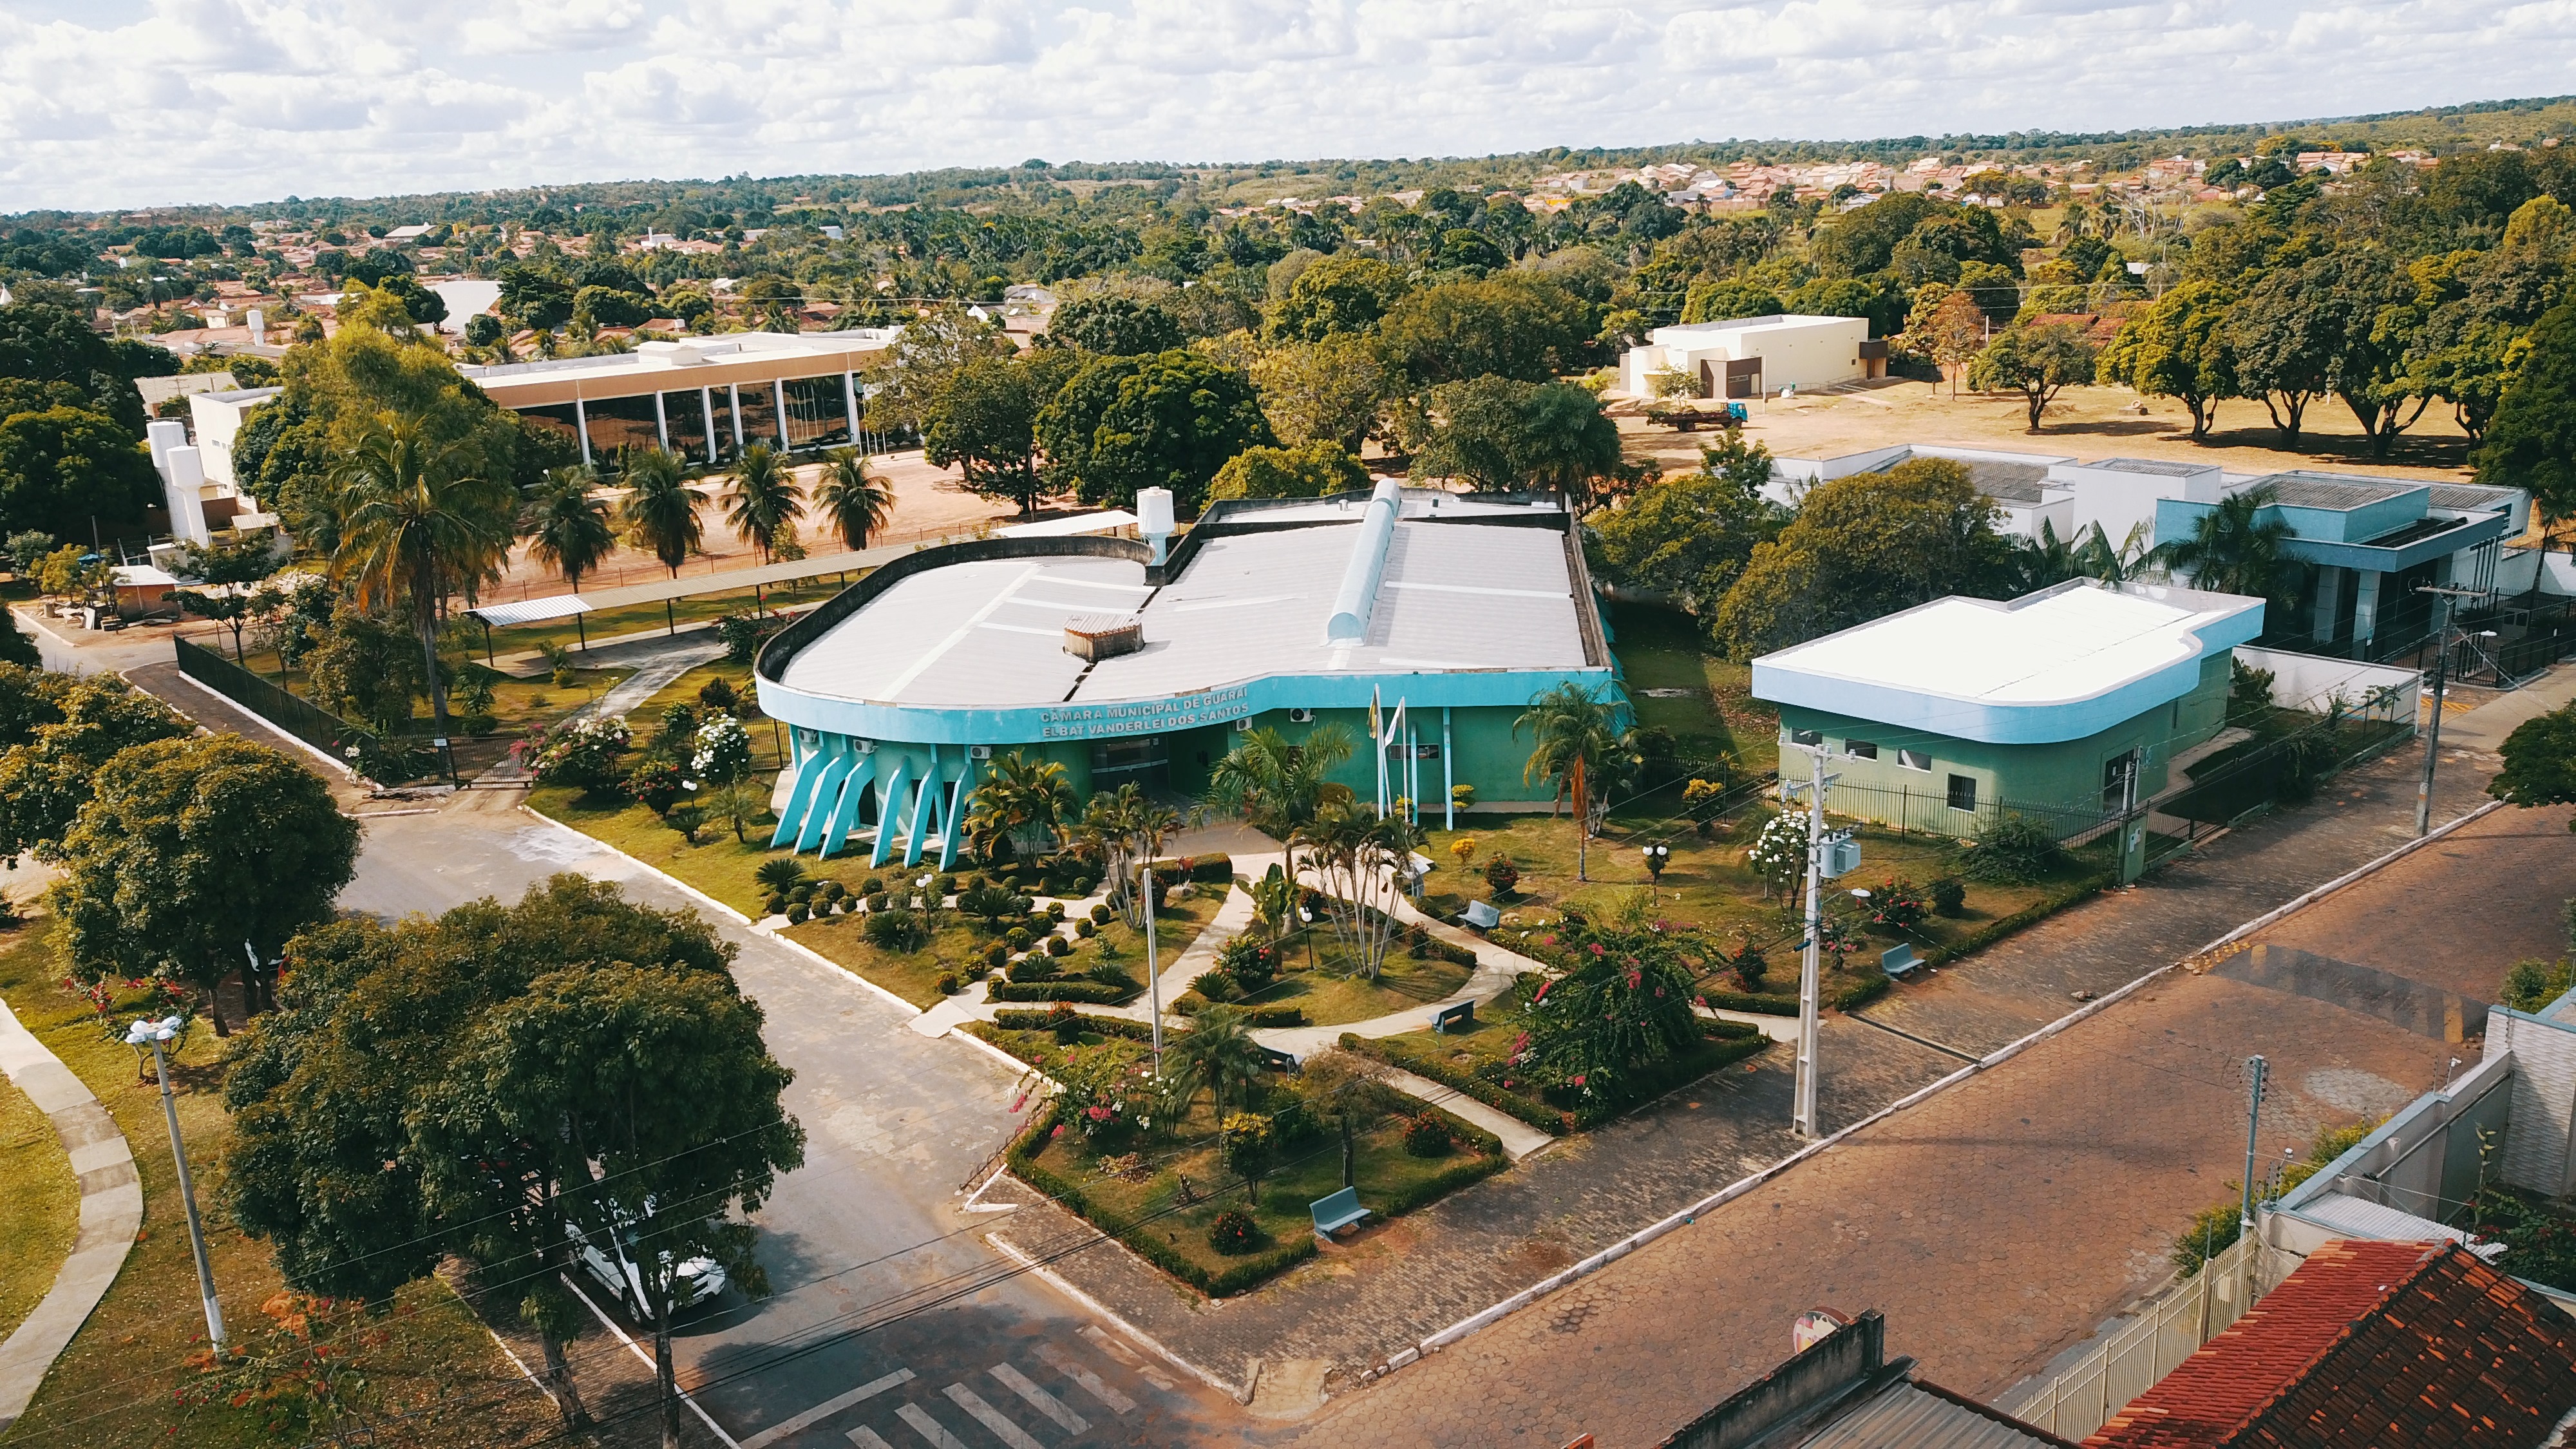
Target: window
[
  {"x": 1915, "y": 760},
  {"x": 1809, "y": 738},
  {"x": 1963, "y": 792},
  {"x": 1860, "y": 749}
]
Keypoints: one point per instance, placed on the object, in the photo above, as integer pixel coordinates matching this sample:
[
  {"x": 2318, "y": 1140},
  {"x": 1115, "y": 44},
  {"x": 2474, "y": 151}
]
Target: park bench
[
  {"x": 1897, "y": 960},
  {"x": 1482, "y": 915},
  {"x": 1277, "y": 1060},
  {"x": 1463, "y": 1014},
  {"x": 1334, "y": 1213}
]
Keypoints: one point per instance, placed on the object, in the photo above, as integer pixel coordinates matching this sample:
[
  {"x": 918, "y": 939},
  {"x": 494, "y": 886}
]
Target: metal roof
[
  {"x": 2335, "y": 492},
  {"x": 990, "y": 633},
  {"x": 2160, "y": 467},
  {"x": 2005, "y": 482},
  {"x": 1905, "y": 1414}
]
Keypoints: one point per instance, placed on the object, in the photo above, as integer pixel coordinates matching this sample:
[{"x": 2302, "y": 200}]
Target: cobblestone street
[{"x": 2004, "y": 1219}]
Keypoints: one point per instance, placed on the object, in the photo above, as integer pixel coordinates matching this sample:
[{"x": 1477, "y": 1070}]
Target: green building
[{"x": 2068, "y": 704}]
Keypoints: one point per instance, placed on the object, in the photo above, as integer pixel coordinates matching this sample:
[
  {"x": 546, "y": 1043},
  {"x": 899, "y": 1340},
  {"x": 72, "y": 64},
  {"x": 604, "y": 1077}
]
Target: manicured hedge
[
  {"x": 1761, "y": 1004},
  {"x": 1389, "y": 1050},
  {"x": 1104, "y": 1025},
  {"x": 1096, "y": 993},
  {"x": 1996, "y": 930},
  {"x": 1234, "y": 1278},
  {"x": 1861, "y": 993},
  {"x": 1640, "y": 1087},
  {"x": 1266, "y": 1016}
]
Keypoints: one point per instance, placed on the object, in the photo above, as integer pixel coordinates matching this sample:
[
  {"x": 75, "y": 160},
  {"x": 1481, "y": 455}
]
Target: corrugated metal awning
[{"x": 532, "y": 611}]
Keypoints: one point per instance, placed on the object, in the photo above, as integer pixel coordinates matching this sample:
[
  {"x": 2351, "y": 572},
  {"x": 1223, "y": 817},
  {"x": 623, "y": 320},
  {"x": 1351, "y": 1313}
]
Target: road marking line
[
  {"x": 928, "y": 1427},
  {"x": 825, "y": 1410},
  {"x": 1044, "y": 1402},
  {"x": 1091, "y": 1383},
  {"x": 867, "y": 1439},
  {"x": 991, "y": 1418}
]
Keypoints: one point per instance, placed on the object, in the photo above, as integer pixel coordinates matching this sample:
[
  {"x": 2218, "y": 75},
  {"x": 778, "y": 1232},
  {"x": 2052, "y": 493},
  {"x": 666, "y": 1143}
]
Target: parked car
[{"x": 610, "y": 1261}]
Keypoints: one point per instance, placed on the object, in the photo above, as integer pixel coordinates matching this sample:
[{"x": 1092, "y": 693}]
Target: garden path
[{"x": 1519, "y": 1138}]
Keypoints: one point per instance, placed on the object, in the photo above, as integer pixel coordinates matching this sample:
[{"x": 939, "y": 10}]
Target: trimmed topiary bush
[
  {"x": 1085, "y": 929},
  {"x": 1017, "y": 938},
  {"x": 796, "y": 915},
  {"x": 1503, "y": 877},
  {"x": 1058, "y": 946},
  {"x": 1949, "y": 897},
  {"x": 948, "y": 984},
  {"x": 774, "y": 906},
  {"x": 996, "y": 954},
  {"x": 1100, "y": 914}
]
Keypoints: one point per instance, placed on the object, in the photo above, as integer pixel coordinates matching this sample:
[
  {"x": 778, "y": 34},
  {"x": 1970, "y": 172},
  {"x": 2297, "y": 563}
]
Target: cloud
[{"x": 243, "y": 100}]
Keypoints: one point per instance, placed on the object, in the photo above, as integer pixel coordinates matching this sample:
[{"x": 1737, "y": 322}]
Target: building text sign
[{"x": 1145, "y": 717}]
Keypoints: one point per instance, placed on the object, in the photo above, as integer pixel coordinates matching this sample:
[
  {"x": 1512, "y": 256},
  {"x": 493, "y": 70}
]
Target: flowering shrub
[
  {"x": 1779, "y": 854},
  {"x": 656, "y": 784},
  {"x": 1426, "y": 1135},
  {"x": 584, "y": 754},
  {"x": 1251, "y": 962},
  {"x": 1503, "y": 876},
  {"x": 723, "y": 754},
  {"x": 1898, "y": 906},
  {"x": 1234, "y": 1231}
]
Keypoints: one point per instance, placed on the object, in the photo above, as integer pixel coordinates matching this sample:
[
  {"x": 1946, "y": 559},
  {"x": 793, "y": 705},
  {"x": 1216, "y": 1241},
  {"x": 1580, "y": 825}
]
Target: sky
[{"x": 131, "y": 103}]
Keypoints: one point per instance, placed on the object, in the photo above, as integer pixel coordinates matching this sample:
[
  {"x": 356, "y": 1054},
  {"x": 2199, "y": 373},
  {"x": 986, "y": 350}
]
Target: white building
[
  {"x": 1749, "y": 356},
  {"x": 197, "y": 479}
]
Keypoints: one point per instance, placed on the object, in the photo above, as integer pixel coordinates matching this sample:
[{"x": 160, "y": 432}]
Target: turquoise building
[
  {"x": 2069, "y": 703},
  {"x": 1437, "y": 614}
]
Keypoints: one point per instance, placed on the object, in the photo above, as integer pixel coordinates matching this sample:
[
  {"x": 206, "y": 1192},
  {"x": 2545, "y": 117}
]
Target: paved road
[{"x": 864, "y": 1245}]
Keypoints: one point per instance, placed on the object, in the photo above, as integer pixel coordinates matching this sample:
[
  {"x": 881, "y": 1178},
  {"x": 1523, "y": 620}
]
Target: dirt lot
[
  {"x": 927, "y": 502},
  {"x": 2084, "y": 422}
]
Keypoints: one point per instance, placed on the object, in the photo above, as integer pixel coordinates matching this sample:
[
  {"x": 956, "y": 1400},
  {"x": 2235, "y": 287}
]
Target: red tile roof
[{"x": 2369, "y": 1343}]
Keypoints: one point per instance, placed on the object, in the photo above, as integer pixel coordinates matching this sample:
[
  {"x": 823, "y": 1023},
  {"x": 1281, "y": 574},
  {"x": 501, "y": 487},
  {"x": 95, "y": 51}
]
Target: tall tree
[
  {"x": 851, "y": 500},
  {"x": 1514, "y": 326},
  {"x": 413, "y": 516},
  {"x": 198, "y": 857},
  {"x": 1501, "y": 434},
  {"x": 72, "y": 472},
  {"x": 1688, "y": 537},
  {"x": 2532, "y": 442},
  {"x": 1317, "y": 470},
  {"x": 1862, "y": 546},
  {"x": 660, "y": 510},
  {"x": 766, "y": 501},
  {"x": 567, "y": 526},
  {"x": 2038, "y": 361},
  {"x": 56, "y": 730},
  {"x": 1114, "y": 325},
  {"x": 231, "y": 568},
  {"x": 2177, "y": 348},
  {"x": 2286, "y": 333},
  {"x": 984, "y": 422},
  {"x": 1953, "y": 333},
  {"x": 1569, "y": 724},
  {"x": 2539, "y": 762},
  {"x": 1323, "y": 392},
  {"x": 1279, "y": 786},
  {"x": 1020, "y": 809},
  {"x": 1167, "y": 421}
]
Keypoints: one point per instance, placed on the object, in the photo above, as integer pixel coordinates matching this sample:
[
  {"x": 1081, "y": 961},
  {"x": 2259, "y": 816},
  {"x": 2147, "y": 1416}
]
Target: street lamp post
[
  {"x": 153, "y": 1034},
  {"x": 1153, "y": 978},
  {"x": 1657, "y": 857}
]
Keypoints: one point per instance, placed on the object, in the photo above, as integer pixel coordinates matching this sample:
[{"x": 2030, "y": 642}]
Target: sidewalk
[{"x": 111, "y": 1210}]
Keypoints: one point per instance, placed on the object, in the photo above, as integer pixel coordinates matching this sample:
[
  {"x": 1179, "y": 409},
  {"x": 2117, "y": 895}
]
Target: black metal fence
[{"x": 299, "y": 717}]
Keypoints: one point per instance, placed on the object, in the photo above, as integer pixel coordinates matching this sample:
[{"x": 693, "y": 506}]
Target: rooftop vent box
[{"x": 1095, "y": 637}]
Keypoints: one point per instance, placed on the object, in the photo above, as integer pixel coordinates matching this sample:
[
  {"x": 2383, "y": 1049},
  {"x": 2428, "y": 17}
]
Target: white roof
[
  {"x": 1106, "y": 521},
  {"x": 2060, "y": 664},
  {"x": 990, "y": 633},
  {"x": 142, "y": 576}
]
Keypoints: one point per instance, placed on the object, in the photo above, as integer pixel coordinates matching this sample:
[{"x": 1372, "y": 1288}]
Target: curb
[
  {"x": 1605, "y": 1257},
  {"x": 111, "y": 1212},
  {"x": 1055, "y": 1280}
]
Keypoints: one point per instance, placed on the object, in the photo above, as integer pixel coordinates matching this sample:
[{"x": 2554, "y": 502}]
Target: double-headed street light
[
  {"x": 154, "y": 1034},
  {"x": 1657, "y": 857}
]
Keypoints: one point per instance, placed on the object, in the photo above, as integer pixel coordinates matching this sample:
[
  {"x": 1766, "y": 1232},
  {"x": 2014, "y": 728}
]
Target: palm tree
[
  {"x": 1572, "y": 725},
  {"x": 1360, "y": 857},
  {"x": 413, "y": 512},
  {"x": 1217, "y": 1053},
  {"x": 2232, "y": 549},
  {"x": 569, "y": 529},
  {"x": 1019, "y": 809},
  {"x": 661, "y": 511},
  {"x": 853, "y": 500},
  {"x": 1121, "y": 831},
  {"x": 1275, "y": 785},
  {"x": 765, "y": 502}
]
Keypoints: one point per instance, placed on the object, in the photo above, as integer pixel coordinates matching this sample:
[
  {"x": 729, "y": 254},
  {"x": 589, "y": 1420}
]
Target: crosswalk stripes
[
  {"x": 991, "y": 1418},
  {"x": 1039, "y": 1399},
  {"x": 866, "y": 1438},
  {"x": 1091, "y": 1383},
  {"x": 825, "y": 1410},
  {"x": 927, "y": 1427}
]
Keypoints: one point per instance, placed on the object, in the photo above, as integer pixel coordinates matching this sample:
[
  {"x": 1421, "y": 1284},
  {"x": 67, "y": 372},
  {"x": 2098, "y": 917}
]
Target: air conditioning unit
[
  {"x": 1243, "y": 726},
  {"x": 867, "y": 747},
  {"x": 1301, "y": 716},
  {"x": 979, "y": 752}
]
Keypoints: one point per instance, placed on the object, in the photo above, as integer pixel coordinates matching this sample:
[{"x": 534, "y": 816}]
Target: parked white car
[{"x": 612, "y": 1266}]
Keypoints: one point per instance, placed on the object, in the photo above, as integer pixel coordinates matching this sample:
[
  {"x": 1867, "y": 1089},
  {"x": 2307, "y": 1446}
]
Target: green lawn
[
  {"x": 718, "y": 864},
  {"x": 40, "y": 1211},
  {"x": 433, "y": 1375},
  {"x": 1333, "y": 994},
  {"x": 1707, "y": 884},
  {"x": 959, "y": 948},
  {"x": 1662, "y": 649},
  {"x": 1162, "y": 1201}
]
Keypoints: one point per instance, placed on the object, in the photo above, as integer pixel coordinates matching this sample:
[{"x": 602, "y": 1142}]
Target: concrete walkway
[
  {"x": 111, "y": 1211},
  {"x": 2485, "y": 727},
  {"x": 1520, "y": 1139}
]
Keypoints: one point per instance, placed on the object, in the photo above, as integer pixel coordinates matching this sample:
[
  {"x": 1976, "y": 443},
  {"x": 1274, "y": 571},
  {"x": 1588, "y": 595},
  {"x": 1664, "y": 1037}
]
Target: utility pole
[
  {"x": 1810, "y": 976},
  {"x": 1153, "y": 978},
  {"x": 1582, "y": 820},
  {"x": 2255, "y": 1067},
  {"x": 2442, "y": 595}
]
